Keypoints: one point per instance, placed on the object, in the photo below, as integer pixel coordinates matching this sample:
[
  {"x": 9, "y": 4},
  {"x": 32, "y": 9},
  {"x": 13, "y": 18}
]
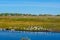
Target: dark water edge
[{"x": 32, "y": 31}]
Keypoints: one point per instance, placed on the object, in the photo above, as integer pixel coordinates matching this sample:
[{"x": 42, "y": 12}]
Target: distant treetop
[{"x": 20, "y": 14}]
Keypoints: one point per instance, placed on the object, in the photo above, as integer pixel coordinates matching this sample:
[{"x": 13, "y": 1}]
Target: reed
[{"x": 21, "y": 22}]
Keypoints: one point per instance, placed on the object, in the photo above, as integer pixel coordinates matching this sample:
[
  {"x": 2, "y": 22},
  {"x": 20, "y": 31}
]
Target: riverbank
[
  {"x": 30, "y": 23},
  {"x": 13, "y": 30}
]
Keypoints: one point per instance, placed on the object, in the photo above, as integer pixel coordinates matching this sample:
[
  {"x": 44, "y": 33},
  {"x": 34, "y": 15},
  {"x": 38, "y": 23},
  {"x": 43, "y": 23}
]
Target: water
[{"x": 6, "y": 35}]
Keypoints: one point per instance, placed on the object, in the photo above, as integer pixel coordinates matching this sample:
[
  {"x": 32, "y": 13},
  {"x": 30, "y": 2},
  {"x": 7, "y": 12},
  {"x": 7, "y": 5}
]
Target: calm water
[{"x": 6, "y": 35}]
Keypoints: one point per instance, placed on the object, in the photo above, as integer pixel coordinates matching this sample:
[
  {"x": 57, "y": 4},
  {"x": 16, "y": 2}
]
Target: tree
[{"x": 58, "y": 15}]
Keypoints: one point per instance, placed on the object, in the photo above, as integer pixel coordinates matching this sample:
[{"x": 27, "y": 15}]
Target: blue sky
[{"x": 30, "y": 6}]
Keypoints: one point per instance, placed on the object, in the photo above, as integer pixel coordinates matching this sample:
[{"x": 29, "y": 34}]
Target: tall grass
[{"x": 19, "y": 23}]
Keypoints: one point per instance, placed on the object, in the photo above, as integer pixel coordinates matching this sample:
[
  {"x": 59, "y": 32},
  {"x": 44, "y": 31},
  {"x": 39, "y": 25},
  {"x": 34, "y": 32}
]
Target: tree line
[{"x": 20, "y": 14}]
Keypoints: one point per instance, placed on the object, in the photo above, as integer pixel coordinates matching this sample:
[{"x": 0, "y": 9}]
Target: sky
[{"x": 30, "y": 6}]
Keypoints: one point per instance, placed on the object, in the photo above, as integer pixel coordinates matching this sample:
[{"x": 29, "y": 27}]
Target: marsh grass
[{"x": 19, "y": 23}]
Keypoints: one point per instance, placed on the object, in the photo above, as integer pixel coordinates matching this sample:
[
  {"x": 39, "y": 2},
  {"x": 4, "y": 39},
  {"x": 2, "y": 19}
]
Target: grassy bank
[{"x": 25, "y": 22}]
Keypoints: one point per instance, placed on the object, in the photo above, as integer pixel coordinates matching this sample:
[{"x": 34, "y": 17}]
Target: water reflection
[{"x": 18, "y": 35}]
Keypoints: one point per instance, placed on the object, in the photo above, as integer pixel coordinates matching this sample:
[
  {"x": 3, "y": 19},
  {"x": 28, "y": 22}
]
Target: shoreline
[{"x": 31, "y": 31}]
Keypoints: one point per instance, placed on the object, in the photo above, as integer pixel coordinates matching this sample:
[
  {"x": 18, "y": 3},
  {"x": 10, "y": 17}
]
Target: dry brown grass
[{"x": 52, "y": 22}]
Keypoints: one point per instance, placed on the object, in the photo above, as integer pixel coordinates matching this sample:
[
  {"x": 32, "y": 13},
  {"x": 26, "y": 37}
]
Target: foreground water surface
[{"x": 8, "y": 35}]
